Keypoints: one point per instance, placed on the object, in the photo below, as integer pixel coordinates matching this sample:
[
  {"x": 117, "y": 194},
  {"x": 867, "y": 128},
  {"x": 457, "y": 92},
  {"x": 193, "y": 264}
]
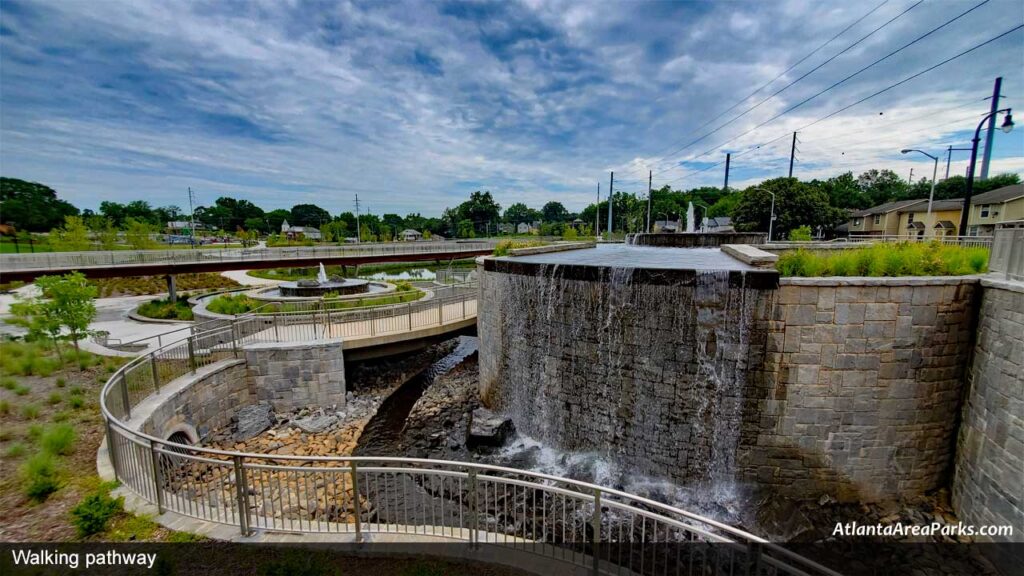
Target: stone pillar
[
  {"x": 293, "y": 375},
  {"x": 172, "y": 290}
]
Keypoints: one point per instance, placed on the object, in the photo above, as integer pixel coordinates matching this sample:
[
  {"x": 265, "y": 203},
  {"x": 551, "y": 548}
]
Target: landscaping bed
[
  {"x": 901, "y": 259},
  {"x": 290, "y": 274},
  {"x": 163, "y": 309},
  {"x": 50, "y": 430},
  {"x": 142, "y": 285}
]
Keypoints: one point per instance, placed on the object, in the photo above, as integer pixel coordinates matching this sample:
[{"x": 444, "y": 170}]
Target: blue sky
[{"x": 414, "y": 104}]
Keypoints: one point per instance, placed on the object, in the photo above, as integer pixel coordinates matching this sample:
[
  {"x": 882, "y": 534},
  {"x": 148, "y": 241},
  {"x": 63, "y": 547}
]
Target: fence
[
  {"x": 1008, "y": 253},
  {"x": 966, "y": 241},
  {"x": 62, "y": 260},
  {"x": 606, "y": 530}
]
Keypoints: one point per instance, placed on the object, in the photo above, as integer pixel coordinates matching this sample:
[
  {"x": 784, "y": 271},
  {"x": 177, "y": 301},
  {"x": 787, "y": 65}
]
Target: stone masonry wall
[
  {"x": 864, "y": 378},
  {"x": 207, "y": 402},
  {"x": 988, "y": 488},
  {"x": 297, "y": 374}
]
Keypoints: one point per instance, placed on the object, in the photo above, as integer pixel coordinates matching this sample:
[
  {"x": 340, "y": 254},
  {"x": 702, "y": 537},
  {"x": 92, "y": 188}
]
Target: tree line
[{"x": 34, "y": 207}]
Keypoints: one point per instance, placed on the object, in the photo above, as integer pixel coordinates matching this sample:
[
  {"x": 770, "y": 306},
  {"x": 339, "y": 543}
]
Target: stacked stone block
[{"x": 297, "y": 374}]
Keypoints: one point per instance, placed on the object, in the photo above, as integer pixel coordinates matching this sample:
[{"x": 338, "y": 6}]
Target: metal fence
[
  {"x": 607, "y": 530},
  {"x": 62, "y": 260},
  {"x": 966, "y": 241},
  {"x": 1008, "y": 253}
]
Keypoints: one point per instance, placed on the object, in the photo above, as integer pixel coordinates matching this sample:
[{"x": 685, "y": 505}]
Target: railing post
[
  {"x": 124, "y": 396},
  {"x": 277, "y": 332},
  {"x": 754, "y": 559},
  {"x": 242, "y": 492},
  {"x": 192, "y": 354},
  {"x": 357, "y": 512},
  {"x": 156, "y": 373},
  {"x": 596, "y": 527},
  {"x": 440, "y": 315},
  {"x": 111, "y": 449},
  {"x": 155, "y": 458},
  {"x": 234, "y": 338},
  {"x": 463, "y": 307},
  {"x": 474, "y": 523}
]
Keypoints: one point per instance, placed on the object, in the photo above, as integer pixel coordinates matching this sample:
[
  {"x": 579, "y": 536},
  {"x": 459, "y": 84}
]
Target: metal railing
[
  {"x": 1008, "y": 253},
  {"x": 966, "y": 241},
  {"x": 606, "y": 530},
  {"x": 64, "y": 260}
]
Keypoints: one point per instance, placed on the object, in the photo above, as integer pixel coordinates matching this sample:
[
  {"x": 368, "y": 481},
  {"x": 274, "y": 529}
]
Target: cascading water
[
  {"x": 691, "y": 218},
  {"x": 640, "y": 378}
]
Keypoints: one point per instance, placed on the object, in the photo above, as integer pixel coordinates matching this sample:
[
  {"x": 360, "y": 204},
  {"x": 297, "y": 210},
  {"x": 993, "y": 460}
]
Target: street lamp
[
  {"x": 935, "y": 173},
  {"x": 1006, "y": 127}
]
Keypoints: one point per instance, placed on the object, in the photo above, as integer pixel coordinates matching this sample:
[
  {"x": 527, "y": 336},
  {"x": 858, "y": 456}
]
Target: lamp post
[
  {"x": 935, "y": 173},
  {"x": 1006, "y": 127},
  {"x": 771, "y": 218}
]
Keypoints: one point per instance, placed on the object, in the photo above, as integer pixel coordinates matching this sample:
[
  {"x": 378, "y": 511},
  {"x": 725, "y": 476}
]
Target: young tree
[
  {"x": 65, "y": 303},
  {"x": 139, "y": 234},
  {"x": 32, "y": 206},
  {"x": 73, "y": 237},
  {"x": 554, "y": 212}
]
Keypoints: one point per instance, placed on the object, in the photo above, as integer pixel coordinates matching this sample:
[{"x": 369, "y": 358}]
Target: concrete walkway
[{"x": 243, "y": 278}]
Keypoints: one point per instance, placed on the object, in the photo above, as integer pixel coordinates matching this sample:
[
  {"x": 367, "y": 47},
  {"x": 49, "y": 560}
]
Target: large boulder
[
  {"x": 253, "y": 420},
  {"x": 488, "y": 429},
  {"x": 316, "y": 423}
]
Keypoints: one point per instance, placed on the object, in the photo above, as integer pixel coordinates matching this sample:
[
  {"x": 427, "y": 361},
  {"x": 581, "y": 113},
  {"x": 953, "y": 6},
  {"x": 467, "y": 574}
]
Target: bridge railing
[
  {"x": 1008, "y": 253},
  {"x": 583, "y": 524},
  {"x": 65, "y": 260},
  {"x": 965, "y": 241}
]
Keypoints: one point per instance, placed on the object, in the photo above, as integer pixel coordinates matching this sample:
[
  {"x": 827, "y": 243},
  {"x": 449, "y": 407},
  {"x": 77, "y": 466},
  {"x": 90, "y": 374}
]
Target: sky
[{"x": 413, "y": 105}]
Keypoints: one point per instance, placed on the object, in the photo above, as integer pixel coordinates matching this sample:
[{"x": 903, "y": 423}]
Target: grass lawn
[
  {"x": 885, "y": 259},
  {"x": 50, "y": 429}
]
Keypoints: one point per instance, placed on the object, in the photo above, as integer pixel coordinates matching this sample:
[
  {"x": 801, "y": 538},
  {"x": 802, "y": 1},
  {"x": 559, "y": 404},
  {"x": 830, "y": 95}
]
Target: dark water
[{"x": 382, "y": 433}]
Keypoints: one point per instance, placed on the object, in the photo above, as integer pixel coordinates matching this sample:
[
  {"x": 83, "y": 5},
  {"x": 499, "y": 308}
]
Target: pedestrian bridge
[{"x": 113, "y": 263}]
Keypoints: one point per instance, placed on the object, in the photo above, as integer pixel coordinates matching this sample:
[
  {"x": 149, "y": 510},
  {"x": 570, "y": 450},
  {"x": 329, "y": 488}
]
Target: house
[
  {"x": 506, "y": 228},
  {"x": 917, "y": 223},
  {"x": 881, "y": 220},
  {"x": 523, "y": 228},
  {"x": 718, "y": 224},
  {"x": 667, "y": 226},
  {"x": 410, "y": 235},
  {"x": 183, "y": 227},
  {"x": 991, "y": 208},
  {"x": 298, "y": 232}
]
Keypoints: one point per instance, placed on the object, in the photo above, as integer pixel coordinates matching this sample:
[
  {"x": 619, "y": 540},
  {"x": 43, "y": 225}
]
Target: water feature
[
  {"x": 691, "y": 218},
  {"x": 637, "y": 356}
]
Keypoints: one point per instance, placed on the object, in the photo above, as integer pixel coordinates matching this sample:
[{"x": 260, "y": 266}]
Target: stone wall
[
  {"x": 988, "y": 488},
  {"x": 200, "y": 403},
  {"x": 863, "y": 379},
  {"x": 841, "y": 386},
  {"x": 297, "y": 374}
]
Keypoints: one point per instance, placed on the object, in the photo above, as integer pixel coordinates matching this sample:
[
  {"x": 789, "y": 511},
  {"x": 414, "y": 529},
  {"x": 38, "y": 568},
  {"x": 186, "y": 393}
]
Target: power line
[
  {"x": 805, "y": 75},
  {"x": 783, "y": 73},
  {"x": 866, "y": 98}
]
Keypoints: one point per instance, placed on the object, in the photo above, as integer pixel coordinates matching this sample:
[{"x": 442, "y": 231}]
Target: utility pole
[
  {"x": 792, "y": 155},
  {"x": 192, "y": 211},
  {"x": 611, "y": 198},
  {"x": 986, "y": 159},
  {"x": 728, "y": 160},
  {"x": 911, "y": 179},
  {"x": 597, "y": 213},
  {"x": 359, "y": 232},
  {"x": 949, "y": 155},
  {"x": 650, "y": 176}
]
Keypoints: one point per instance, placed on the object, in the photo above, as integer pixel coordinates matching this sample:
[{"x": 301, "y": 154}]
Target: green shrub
[
  {"x": 30, "y": 411},
  {"x": 800, "y": 234},
  {"x": 39, "y": 476},
  {"x": 901, "y": 259},
  {"x": 9, "y": 383},
  {"x": 404, "y": 286},
  {"x": 58, "y": 439},
  {"x": 16, "y": 450},
  {"x": 166, "y": 310},
  {"x": 62, "y": 416},
  {"x": 61, "y": 382},
  {"x": 76, "y": 390},
  {"x": 35, "y": 431},
  {"x": 232, "y": 304},
  {"x": 21, "y": 390},
  {"x": 76, "y": 402},
  {"x": 54, "y": 398},
  {"x": 506, "y": 246},
  {"x": 5, "y": 407},
  {"x": 91, "y": 515}
]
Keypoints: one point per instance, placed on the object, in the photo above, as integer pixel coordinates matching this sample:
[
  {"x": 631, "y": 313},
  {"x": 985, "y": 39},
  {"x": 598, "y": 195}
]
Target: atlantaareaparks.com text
[{"x": 933, "y": 529}]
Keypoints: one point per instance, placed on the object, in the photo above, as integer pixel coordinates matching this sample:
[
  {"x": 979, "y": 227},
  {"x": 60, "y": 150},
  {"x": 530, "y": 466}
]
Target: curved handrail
[{"x": 538, "y": 480}]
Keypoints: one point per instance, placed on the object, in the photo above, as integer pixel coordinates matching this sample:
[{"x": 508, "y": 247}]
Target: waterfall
[
  {"x": 647, "y": 374},
  {"x": 321, "y": 276}
]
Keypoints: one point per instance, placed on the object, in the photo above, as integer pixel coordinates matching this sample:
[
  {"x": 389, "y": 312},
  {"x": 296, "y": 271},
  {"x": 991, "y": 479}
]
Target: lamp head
[
  {"x": 905, "y": 150},
  {"x": 1007, "y": 125}
]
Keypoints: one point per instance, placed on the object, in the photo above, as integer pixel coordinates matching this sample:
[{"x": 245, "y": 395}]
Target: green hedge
[{"x": 902, "y": 259}]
